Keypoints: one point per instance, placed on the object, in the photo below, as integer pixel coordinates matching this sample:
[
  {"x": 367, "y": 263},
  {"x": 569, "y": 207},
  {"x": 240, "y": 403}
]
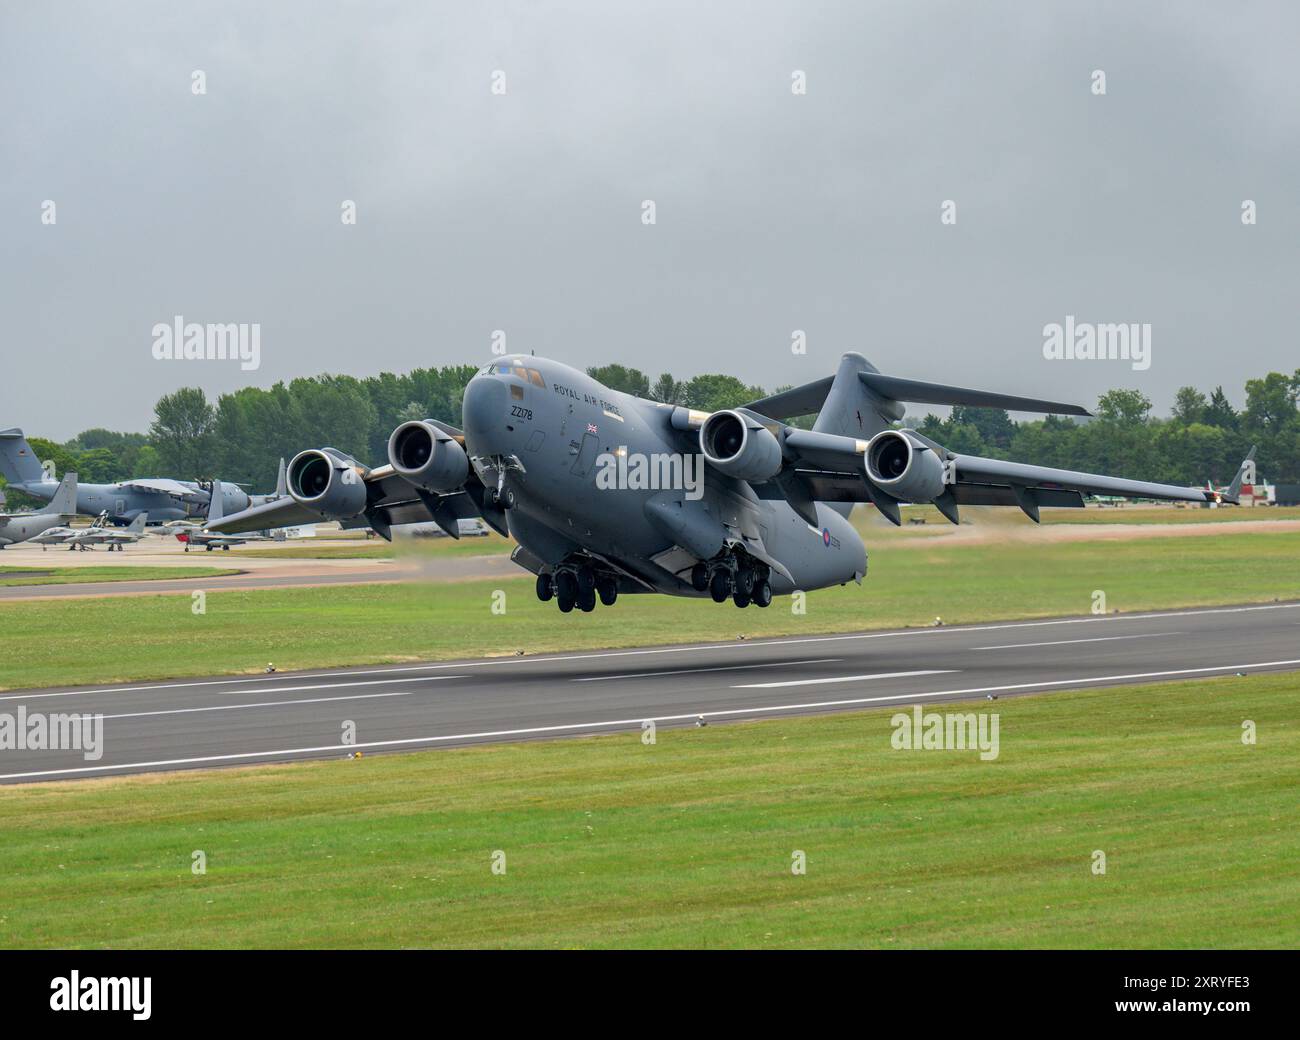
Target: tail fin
[
  {"x": 216, "y": 503},
  {"x": 1233, "y": 494},
  {"x": 18, "y": 462},
  {"x": 281, "y": 485},
  {"x": 850, "y": 408},
  {"x": 64, "y": 501},
  {"x": 137, "y": 525}
]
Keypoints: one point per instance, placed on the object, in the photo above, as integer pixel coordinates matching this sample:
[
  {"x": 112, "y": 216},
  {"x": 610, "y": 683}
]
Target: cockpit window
[{"x": 536, "y": 378}]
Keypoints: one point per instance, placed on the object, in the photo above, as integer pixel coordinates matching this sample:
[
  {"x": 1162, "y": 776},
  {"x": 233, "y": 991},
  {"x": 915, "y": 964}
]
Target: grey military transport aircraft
[
  {"x": 161, "y": 497},
  {"x": 606, "y": 493}
]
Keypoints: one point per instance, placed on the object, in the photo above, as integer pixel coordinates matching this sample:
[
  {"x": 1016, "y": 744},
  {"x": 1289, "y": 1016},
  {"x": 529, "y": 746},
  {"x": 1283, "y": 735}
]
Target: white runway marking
[
  {"x": 716, "y": 668},
  {"x": 274, "y": 704},
  {"x": 1068, "y": 642},
  {"x": 840, "y": 679},
  {"x": 571, "y": 727},
  {"x": 694, "y": 648}
]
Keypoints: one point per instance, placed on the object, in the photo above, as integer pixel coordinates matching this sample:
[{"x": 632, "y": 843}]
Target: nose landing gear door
[{"x": 586, "y": 455}]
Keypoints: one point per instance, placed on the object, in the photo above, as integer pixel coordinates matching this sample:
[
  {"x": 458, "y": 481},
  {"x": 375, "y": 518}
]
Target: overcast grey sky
[{"x": 522, "y": 212}]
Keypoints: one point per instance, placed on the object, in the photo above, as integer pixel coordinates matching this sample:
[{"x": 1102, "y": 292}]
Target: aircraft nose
[{"x": 484, "y": 414}]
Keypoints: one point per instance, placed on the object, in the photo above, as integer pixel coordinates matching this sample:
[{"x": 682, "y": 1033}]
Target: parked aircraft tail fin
[
  {"x": 18, "y": 462},
  {"x": 137, "y": 525},
  {"x": 216, "y": 502},
  {"x": 1247, "y": 467},
  {"x": 64, "y": 501}
]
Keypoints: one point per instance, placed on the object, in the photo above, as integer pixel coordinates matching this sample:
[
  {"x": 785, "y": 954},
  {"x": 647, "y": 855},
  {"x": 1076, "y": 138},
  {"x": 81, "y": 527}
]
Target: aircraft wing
[
  {"x": 282, "y": 512},
  {"x": 390, "y": 499},
  {"x": 824, "y": 467},
  {"x": 163, "y": 486}
]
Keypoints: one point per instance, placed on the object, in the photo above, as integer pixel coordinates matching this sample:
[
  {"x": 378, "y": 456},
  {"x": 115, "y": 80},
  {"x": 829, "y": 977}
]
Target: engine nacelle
[
  {"x": 427, "y": 457},
  {"x": 904, "y": 467},
  {"x": 327, "y": 484},
  {"x": 739, "y": 446}
]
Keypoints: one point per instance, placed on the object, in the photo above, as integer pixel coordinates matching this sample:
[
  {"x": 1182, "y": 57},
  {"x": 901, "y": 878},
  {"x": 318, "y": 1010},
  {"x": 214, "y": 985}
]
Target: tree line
[{"x": 242, "y": 435}]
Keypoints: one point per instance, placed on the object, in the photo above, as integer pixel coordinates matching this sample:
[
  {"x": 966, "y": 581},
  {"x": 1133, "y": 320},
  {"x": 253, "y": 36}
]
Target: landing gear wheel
[
  {"x": 740, "y": 599},
  {"x": 545, "y": 588},
  {"x": 509, "y": 499},
  {"x": 566, "y": 586},
  {"x": 700, "y": 577},
  {"x": 720, "y": 586},
  {"x": 763, "y": 593},
  {"x": 745, "y": 580},
  {"x": 607, "y": 588},
  {"x": 586, "y": 579},
  {"x": 587, "y": 600},
  {"x": 565, "y": 603}
]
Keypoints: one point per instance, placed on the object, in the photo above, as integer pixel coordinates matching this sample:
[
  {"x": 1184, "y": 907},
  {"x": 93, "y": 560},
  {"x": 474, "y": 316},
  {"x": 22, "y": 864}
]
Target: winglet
[
  {"x": 1233, "y": 494},
  {"x": 281, "y": 486}
]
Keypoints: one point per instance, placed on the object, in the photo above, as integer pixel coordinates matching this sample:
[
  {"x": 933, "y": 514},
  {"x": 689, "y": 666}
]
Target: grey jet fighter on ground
[
  {"x": 606, "y": 493},
  {"x": 20, "y": 527},
  {"x": 100, "y": 533}
]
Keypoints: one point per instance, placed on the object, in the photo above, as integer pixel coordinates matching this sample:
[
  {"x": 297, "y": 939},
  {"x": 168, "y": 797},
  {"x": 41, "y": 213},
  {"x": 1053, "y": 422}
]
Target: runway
[{"x": 223, "y": 721}]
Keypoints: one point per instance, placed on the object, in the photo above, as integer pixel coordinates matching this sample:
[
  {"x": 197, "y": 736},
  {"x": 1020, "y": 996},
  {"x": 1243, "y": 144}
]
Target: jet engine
[
  {"x": 328, "y": 484},
  {"x": 739, "y": 446},
  {"x": 428, "y": 458},
  {"x": 905, "y": 467}
]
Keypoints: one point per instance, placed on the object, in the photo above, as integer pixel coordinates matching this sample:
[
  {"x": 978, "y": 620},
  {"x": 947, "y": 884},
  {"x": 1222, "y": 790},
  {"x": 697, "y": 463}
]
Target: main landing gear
[
  {"x": 736, "y": 576},
  {"x": 577, "y": 587}
]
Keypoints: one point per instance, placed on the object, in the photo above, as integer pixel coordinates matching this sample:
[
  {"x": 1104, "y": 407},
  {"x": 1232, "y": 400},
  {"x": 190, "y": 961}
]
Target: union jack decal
[{"x": 591, "y": 427}]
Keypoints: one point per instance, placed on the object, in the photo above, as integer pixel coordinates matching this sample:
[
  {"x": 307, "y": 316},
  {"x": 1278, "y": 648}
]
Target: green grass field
[
  {"x": 612, "y": 843},
  {"x": 151, "y": 637},
  {"x": 866, "y": 519},
  {"x": 71, "y": 575}
]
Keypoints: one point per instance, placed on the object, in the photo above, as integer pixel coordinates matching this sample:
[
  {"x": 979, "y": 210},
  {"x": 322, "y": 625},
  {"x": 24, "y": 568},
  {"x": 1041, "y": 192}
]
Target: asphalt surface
[{"x": 204, "y": 723}]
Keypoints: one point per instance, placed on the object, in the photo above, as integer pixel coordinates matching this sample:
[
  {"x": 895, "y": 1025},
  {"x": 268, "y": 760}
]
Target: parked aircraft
[
  {"x": 100, "y": 533},
  {"x": 161, "y": 497},
  {"x": 20, "y": 527},
  {"x": 208, "y": 539},
  {"x": 607, "y": 493}
]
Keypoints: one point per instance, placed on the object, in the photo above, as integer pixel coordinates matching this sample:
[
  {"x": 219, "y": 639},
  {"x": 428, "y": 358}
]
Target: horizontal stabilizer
[
  {"x": 914, "y": 391},
  {"x": 800, "y": 400}
]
